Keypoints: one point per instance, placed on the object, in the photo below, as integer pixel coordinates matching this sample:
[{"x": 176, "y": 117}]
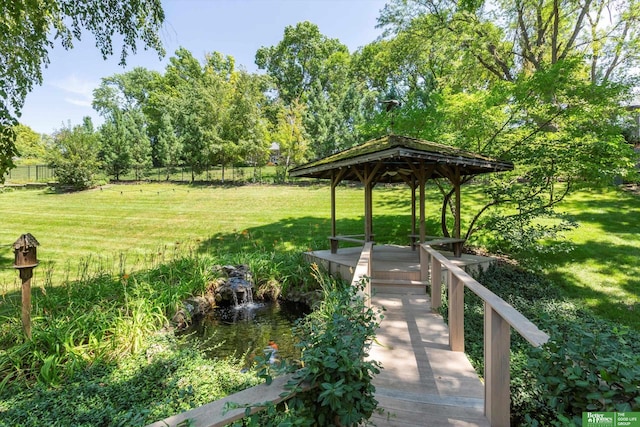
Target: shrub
[
  {"x": 590, "y": 366},
  {"x": 335, "y": 341}
]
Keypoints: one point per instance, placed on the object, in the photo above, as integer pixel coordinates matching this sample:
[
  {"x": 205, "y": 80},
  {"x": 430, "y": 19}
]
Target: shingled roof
[{"x": 397, "y": 154}]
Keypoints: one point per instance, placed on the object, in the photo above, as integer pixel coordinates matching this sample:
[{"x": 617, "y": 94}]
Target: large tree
[
  {"x": 29, "y": 143},
  {"x": 29, "y": 29},
  {"x": 541, "y": 83},
  {"x": 121, "y": 99},
  {"x": 312, "y": 70}
]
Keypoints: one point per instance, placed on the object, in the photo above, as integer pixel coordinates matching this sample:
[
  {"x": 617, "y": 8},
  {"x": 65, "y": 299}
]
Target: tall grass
[{"x": 103, "y": 317}]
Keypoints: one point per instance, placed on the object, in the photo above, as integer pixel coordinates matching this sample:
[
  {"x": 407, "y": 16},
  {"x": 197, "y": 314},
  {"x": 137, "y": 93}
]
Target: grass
[
  {"x": 602, "y": 271},
  {"x": 125, "y": 225}
]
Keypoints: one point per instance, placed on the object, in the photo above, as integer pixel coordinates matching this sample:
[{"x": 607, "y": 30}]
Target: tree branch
[{"x": 576, "y": 30}]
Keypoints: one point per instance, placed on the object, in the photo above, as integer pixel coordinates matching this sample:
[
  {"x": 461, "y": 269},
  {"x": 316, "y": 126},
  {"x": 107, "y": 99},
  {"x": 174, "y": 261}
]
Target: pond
[{"x": 246, "y": 330}]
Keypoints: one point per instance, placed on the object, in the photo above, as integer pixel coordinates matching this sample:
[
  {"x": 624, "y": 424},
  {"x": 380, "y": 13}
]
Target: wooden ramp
[{"x": 422, "y": 382}]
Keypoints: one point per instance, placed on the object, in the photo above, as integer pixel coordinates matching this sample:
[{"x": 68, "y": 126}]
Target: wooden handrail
[
  {"x": 524, "y": 326},
  {"x": 363, "y": 270},
  {"x": 246, "y": 402},
  {"x": 499, "y": 317}
]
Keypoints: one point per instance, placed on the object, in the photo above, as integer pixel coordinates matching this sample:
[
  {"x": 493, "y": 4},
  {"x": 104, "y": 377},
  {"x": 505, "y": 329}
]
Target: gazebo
[{"x": 400, "y": 159}]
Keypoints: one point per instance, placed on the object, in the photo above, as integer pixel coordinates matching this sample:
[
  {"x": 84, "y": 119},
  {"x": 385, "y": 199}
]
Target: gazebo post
[
  {"x": 368, "y": 205},
  {"x": 367, "y": 177},
  {"x": 336, "y": 177},
  {"x": 422, "y": 174},
  {"x": 334, "y": 183},
  {"x": 457, "y": 248},
  {"x": 413, "y": 186},
  {"x": 423, "y": 226}
]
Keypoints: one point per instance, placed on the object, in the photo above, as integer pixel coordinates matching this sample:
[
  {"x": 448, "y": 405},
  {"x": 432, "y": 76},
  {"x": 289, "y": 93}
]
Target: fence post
[
  {"x": 456, "y": 312},
  {"x": 497, "y": 342}
]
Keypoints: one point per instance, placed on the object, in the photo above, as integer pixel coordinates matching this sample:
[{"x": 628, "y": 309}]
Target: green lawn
[
  {"x": 603, "y": 270},
  {"x": 132, "y": 224}
]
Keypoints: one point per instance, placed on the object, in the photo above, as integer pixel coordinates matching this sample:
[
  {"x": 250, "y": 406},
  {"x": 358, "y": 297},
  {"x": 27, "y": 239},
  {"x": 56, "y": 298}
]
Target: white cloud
[
  {"x": 81, "y": 88},
  {"x": 79, "y": 102}
]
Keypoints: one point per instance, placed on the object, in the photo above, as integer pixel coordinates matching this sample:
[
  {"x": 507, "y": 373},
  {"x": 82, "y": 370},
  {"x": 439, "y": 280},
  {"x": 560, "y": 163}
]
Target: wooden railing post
[
  {"x": 368, "y": 291},
  {"x": 456, "y": 312},
  {"x": 497, "y": 378},
  {"x": 436, "y": 284}
]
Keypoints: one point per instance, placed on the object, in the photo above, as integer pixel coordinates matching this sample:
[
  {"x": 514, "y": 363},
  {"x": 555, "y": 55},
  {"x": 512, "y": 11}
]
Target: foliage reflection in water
[{"x": 247, "y": 329}]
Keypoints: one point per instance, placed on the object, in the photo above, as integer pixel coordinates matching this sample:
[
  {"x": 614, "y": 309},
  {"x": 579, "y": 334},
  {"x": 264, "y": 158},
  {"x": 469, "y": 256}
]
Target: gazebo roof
[{"x": 396, "y": 158}]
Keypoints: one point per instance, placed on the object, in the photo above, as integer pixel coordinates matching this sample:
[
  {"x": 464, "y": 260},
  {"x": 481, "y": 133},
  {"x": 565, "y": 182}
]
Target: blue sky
[{"x": 232, "y": 27}]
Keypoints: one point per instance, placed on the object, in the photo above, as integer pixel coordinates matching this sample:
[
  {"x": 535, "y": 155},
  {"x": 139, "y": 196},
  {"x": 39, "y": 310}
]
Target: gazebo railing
[{"x": 499, "y": 318}]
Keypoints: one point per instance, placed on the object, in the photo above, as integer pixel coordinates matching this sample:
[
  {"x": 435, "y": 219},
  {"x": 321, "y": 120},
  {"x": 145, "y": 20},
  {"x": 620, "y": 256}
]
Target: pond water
[{"x": 246, "y": 330}]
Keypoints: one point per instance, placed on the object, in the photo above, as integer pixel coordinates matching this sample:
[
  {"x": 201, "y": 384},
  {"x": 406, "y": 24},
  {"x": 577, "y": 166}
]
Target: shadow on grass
[
  {"x": 309, "y": 233},
  {"x": 611, "y": 252},
  {"x": 620, "y": 262},
  {"x": 619, "y": 216}
]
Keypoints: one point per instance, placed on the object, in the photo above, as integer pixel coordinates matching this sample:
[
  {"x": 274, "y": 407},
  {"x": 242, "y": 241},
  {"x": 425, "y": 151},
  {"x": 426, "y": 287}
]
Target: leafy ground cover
[{"x": 589, "y": 364}]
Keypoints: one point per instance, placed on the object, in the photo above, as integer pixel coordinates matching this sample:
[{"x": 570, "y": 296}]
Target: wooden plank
[
  {"x": 436, "y": 284},
  {"x": 422, "y": 382},
  {"x": 399, "y": 282},
  {"x": 214, "y": 415},
  {"x": 410, "y": 414},
  {"x": 456, "y": 313}
]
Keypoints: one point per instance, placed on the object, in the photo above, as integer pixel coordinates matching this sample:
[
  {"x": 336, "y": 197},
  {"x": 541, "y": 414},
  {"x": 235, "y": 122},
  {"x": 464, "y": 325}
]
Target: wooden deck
[
  {"x": 422, "y": 382},
  {"x": 389, "y": 262}
]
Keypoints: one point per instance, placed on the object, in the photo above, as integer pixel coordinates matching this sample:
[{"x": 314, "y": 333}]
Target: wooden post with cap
[{"x": 25, "y": 261}]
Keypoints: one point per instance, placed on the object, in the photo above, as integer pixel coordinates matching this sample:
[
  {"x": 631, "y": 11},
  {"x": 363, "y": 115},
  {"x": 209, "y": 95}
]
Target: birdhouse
[{"x": 25, "y": 251}]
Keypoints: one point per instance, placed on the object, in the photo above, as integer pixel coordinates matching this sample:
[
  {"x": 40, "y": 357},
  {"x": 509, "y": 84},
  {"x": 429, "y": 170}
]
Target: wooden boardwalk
[{"x": 422, "y": 382}]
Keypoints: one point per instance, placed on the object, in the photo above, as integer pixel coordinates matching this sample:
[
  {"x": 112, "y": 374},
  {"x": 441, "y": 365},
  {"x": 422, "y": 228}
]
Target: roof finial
[{"x": 391, "y": 106}]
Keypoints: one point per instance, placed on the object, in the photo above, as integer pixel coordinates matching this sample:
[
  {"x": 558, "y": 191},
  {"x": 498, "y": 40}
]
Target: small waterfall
[
  {"x": 248, "y": 296},
  {"x": 235, "y": 299}
]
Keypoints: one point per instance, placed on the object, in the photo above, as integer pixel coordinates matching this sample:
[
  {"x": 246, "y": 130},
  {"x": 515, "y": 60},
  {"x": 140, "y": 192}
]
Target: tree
[
  {"x": 28, "y": 31},
  {"x": 29, "y": 143},
  {"x": 539, "y": 83},
  {"x": 73, "y": 155},
  {"x": 313, "y": 70},
  {"x": 290, "y": 134},
  {"x": 140, "y": 146},
  {"x": 298, "y": 60},
  {"x": 115, "y": 150},
  {"x": 244, "y": 125},
  {"x": 168, "y": 145},
  {"x": 120, "y": 99}
]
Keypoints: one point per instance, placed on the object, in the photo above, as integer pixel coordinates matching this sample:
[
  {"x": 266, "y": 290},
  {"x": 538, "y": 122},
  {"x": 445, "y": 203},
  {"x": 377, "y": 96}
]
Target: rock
[{"x": 236, "y": 287}]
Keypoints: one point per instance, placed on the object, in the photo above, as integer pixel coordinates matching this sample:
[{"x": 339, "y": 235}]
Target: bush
[
  {"x": 73, "y": 155},
  {"x": 591, "y": 366}
]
